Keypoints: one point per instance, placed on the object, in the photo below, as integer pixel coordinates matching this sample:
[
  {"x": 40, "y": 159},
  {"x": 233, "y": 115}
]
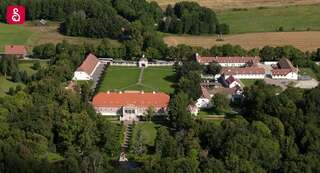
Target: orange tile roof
[
  {"x": 89, "y": 64},
  {"x": 245, "y": 70},
  {"x": 235, "y": 59},
  {"x": 285, "y": 67},
  {"x": 114, "y": 99},
  {"x": 15, "y": 50}
]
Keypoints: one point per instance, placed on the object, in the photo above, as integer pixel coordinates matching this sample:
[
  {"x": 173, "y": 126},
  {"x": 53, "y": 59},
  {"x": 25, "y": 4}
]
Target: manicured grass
[
  {"x": 270, "y": 19},
  {"x": 307, "y": 71},
  {"x": 118, "y": 78},
  {"x": 160, "y": 78},
  {"x": 148, "y": 130},
  {"x": 248, "y": 82},
  {"x": 126, "y": 78}
]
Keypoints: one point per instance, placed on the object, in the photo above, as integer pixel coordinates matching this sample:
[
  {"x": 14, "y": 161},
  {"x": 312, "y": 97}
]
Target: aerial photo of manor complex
[{"x": 181, "y": 86}]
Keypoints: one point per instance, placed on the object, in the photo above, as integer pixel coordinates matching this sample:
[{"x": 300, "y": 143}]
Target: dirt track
[
  {"x": 227, "y": 4},
  {"x": 302, "y": 40}
]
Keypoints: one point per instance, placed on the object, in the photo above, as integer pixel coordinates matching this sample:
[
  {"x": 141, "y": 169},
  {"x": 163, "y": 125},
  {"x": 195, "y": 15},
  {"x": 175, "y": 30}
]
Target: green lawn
[
  {"x": 161, "y": 78},
  {"x": 13, "y": 34},
  {"x": 126, "y": 78},
  {"x": 118, "y": 78},
  {"x": 269, "y": 19},
  {"x": 148, "y": 130}
]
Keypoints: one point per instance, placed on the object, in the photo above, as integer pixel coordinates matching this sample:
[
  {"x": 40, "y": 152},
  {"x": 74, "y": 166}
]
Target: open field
[
  {"x": 29, "y": 34},
  {"x": 227, "y": 4},
  {"x": 248, "y": 82},
  {"x": 126, "y": 78},
  {"x": 291, "y": 18},
  {"x": 306, "y": 41}
]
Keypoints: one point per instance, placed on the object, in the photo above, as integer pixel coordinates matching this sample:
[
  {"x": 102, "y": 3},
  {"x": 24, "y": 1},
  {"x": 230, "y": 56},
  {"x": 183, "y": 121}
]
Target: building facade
[
  {"x": 86, "y": 70},
  {"x": 130, "y": 105},
  {"x": 19, "y": 51},
  {"x": 285, "y": 70},
  {"x": 235, "y": 61},
  {"x": 243, "y": 73}
]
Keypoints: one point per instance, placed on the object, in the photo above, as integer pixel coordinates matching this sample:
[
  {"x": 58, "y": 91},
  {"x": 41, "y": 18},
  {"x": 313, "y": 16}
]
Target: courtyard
[{"x": 119, "y": 78}]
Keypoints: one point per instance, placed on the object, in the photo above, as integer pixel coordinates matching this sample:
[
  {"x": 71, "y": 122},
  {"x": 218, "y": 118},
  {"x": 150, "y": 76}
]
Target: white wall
[
  {"x": 289, "y": 76},
  {"x": 244, "y": 76},
  {"x": 270, "y": 62},
  {"x": 80, "y": 75},
  {"x": 234, "y": 84},
  {"x": 203, "y": 103}
]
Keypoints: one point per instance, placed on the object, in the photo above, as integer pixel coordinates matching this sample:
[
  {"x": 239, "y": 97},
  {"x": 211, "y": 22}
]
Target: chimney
[
  {"x": 142, "y": 92},
  {"x": 153, "y": 92},
  {"x": 197, "y": 55},
  {"x": 108, "y": 92},
  {"x": 120, "y": 92}
]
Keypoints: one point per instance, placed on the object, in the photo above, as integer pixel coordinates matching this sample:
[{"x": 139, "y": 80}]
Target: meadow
[
  {"x": 228, "y": 4},
  {"x": 127, "y": 78},
  {"x": 290, "y": 18},
  {"x": 31, "y": 34}
]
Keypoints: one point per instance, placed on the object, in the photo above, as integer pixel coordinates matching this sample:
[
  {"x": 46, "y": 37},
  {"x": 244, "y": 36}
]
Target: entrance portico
[{"x": 129, "y": 113}]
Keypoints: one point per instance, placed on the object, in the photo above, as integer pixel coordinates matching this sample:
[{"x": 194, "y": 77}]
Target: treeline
[
  {"x": 191, "y": 18},
  {"x": 46, "y": 128},
  {"x": 277, "y": 133},
  {"x": 118, "y": 18}
]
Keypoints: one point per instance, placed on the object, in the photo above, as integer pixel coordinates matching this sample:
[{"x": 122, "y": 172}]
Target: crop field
[
  {"x": 227, "y": 4},
  {"x": 290, "y": 18},
  {"x": 29, "y": 34},
  {"x": 127, "y": 78},
  {"x": 306, "y": 41}
]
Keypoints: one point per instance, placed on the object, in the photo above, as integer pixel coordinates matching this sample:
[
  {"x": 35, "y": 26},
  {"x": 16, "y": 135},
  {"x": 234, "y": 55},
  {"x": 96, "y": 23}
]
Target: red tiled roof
[
  {"x": 284, "y": 63},
  {"x": 235, "y": 59},
  {"x": 89, "y": 64},
  {"x": 227, "y": 91},
  {"x": 114, "y": 99},
  {"x": 230, "y": 79},
  {"x": 281, "y": 72},
  {"x": 15, "y": 50},
  {"x": 285, "y": 67},
  {"x": 205, "y": 92},
  {"x": 246, "y": 70}
]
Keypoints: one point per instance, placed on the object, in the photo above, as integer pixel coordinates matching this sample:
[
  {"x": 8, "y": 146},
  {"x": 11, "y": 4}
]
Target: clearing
[
  {"x": 148, "y": 132},
  {"x": 227, "y": 4},
  {"x": 127, "y": 78},
  {"x": 30, "y": 34},
  {"x": 306, "y": 41}
]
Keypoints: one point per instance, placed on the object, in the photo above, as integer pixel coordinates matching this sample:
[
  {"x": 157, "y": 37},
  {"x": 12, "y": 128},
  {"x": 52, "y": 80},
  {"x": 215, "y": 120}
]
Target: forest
[{"x": 46, "y": 128}]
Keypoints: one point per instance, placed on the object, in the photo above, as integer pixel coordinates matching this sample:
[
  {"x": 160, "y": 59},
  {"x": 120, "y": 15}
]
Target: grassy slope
[
  {"x": 5, "y": 84},
  {"x": 29, "y": 34},
  {"x": 149, "y": 132},
  {"x": 13, "y": 34},
  {"x": 269, "y": 19}
]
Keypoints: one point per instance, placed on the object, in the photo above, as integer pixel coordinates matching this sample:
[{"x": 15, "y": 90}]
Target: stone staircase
[{"x": 126, "y": 141}]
